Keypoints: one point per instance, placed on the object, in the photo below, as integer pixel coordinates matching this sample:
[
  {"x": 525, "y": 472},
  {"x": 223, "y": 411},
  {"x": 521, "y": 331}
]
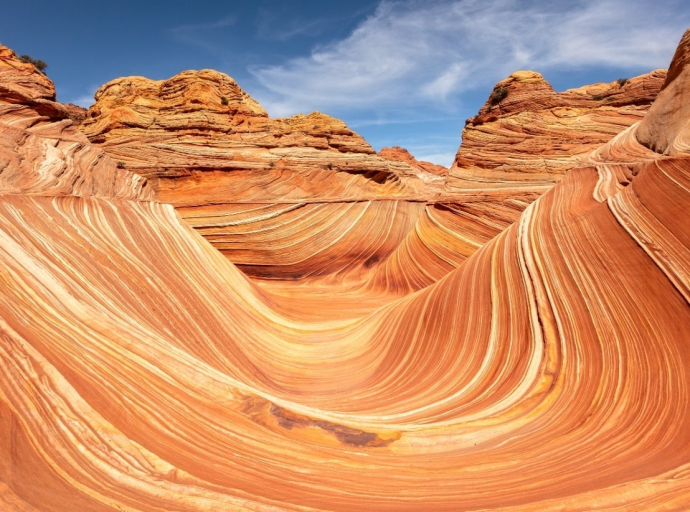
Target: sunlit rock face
[
  {"x": 403, "y": 155},
  {"x": 667, "y": 131},
  {"x": 524, "y": 139},
  {"x": 140, "y": 369},
  {"x": 533, "y": 136},
  {"x": 199, "y": 138},
  {"x": 306, "y": 198},
  {"x": 289, "y": 198},
  {"x": 41, "y": 151}
]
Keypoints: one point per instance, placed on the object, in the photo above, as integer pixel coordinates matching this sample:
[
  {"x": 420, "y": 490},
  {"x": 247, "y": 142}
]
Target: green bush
[
  {"x": 224, "y": 100},
  {"x": 621, "y": 82},
  {"x": 498, "y": 95},
  {"x": 598, "y": 97},
  {"x": 38, "y": 63}
]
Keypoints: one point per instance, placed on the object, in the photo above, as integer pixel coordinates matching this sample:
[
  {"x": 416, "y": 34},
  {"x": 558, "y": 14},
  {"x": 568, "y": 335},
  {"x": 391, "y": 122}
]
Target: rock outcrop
[
  {"x": 76, "y": 113},
  {"x": 666, "y": 129},
  {"x": 402, "y": 155},
  {"x": 141, "y": 370},
  {"x": 532, "y": 137},
  {"x": 305, "y": 197},
  {"x": 42, "y": 152},
  {"x": 524, "y": 139},
  {"x": 298, "y": 197},
  {"x": 200, "y": 138}
]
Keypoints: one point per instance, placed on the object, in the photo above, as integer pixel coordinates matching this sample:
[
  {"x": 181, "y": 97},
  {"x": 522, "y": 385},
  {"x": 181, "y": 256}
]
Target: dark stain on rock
[
  {"x": 372, "y": 260},
  {"x": 346, "y": 435}
]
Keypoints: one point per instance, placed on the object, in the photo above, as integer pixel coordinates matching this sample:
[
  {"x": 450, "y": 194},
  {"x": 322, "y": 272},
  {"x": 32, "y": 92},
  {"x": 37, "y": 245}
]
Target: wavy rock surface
[
  {"x": 141, "y": 370},
  {"x": 307, "y": 198},
  {"x": 667, "y": 130},
  {"x": 199, "y": 137},
  {"x": 532, "y": 137},
  {"x": 288, "y": 198},
  {"x": 511, "y": 153},
  {"x": 402, "y": 155},
  {"x": 42, "y": 152}
]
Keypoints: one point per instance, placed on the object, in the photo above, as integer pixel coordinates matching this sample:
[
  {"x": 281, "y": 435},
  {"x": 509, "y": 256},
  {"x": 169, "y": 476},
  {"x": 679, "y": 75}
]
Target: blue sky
[{"x": 403, "y": 72}]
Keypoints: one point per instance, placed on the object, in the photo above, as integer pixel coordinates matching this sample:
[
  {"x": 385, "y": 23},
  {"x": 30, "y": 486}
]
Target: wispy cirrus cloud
[
  {"x": 199, "y": 34},
  {"x": 279, "y": 24},
  {"x": 421, "y": 54},
  {"x": 273, "y": 24}
]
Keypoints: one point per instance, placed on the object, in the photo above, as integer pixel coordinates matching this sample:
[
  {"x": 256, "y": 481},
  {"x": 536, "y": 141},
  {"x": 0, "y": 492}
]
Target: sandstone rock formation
[
  {"x": 666, "y": 130},
  {"x": 288, "y": 198},
  {"x": 535, "y": 135},
  {"x": 42, "y": 152},
  {"x": 199, "y": 138},
  {"x": 512, "y": 152},
  {"x": 307, "y": 198},
  {"x": 76, "y": 113},
  {"x": 141, "y": 370},
  {"x": 402, "y": 155}
]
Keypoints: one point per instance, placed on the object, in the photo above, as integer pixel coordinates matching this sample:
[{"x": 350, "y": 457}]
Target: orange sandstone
[
  {"x": 140, "y": 369},
  {"x": 297, "y": 197},
  {"x": 402, "y": 155},
  {"x": 530, "y": 139},
  {"x": 305, "y": 197}
]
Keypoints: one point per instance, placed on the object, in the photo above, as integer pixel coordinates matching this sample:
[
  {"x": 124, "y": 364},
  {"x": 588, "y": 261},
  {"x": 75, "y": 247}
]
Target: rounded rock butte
[{"x": 202, "y": 308}]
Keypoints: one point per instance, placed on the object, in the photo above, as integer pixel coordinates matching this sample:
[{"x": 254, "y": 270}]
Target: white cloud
[
  {"x": 197, "y": 33},
  {"x": 418, "y": 54},
  {"x": 444, "y": 159},
  {"x": 446, "y": 83},
  {"x": 277, "y": 24},
  {"x": 85, "y": 100}
]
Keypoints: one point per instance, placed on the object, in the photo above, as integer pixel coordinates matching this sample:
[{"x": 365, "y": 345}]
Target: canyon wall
[
  {"x": 283, "y": 198},
  {"x": 307, "y": 198},
  {"x": 140, "y": 369}
]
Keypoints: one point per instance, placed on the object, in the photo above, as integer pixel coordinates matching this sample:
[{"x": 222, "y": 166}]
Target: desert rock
[
  {"x": 140, "y": 369},
  {"x": 403, "y": 155},
  {"x": 533, "y": 136}
]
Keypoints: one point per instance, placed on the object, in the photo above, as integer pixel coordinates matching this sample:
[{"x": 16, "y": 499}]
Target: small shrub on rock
[
  {"x": 224, "y": 101},
  {"x": 621, "y": 82},
  {"x": 498, "y": 95},
  {"x": 38, "y": 63},
  {"x": 120, "y": 165},
  {"x": 598, "y": 97}
]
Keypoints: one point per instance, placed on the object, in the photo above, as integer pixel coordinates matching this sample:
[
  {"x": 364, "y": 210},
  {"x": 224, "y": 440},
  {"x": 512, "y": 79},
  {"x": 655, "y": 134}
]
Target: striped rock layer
[
  {"x": 140, "y": 369},
  {"x": 534, "y": 136},
  {"x": 305, "y": 199},
  {"x": 288, "y": 198}
]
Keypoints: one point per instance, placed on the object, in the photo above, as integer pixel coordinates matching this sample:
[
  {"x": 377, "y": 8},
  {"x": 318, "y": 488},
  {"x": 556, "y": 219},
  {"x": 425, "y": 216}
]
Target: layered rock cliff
[
  {"x": 200, "y": 138},
  {"x": 534, "y": 135},
  {"x": 402, "y": 155},
  {"x": 141, "y": 370},
  {"x": 524, "y": 139},
  {"x": 284, "y": 198},
  {"x": 306, "y": 197},
  {"x": 666, "y": 130},
  {"x": 42, "y": 152}
]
